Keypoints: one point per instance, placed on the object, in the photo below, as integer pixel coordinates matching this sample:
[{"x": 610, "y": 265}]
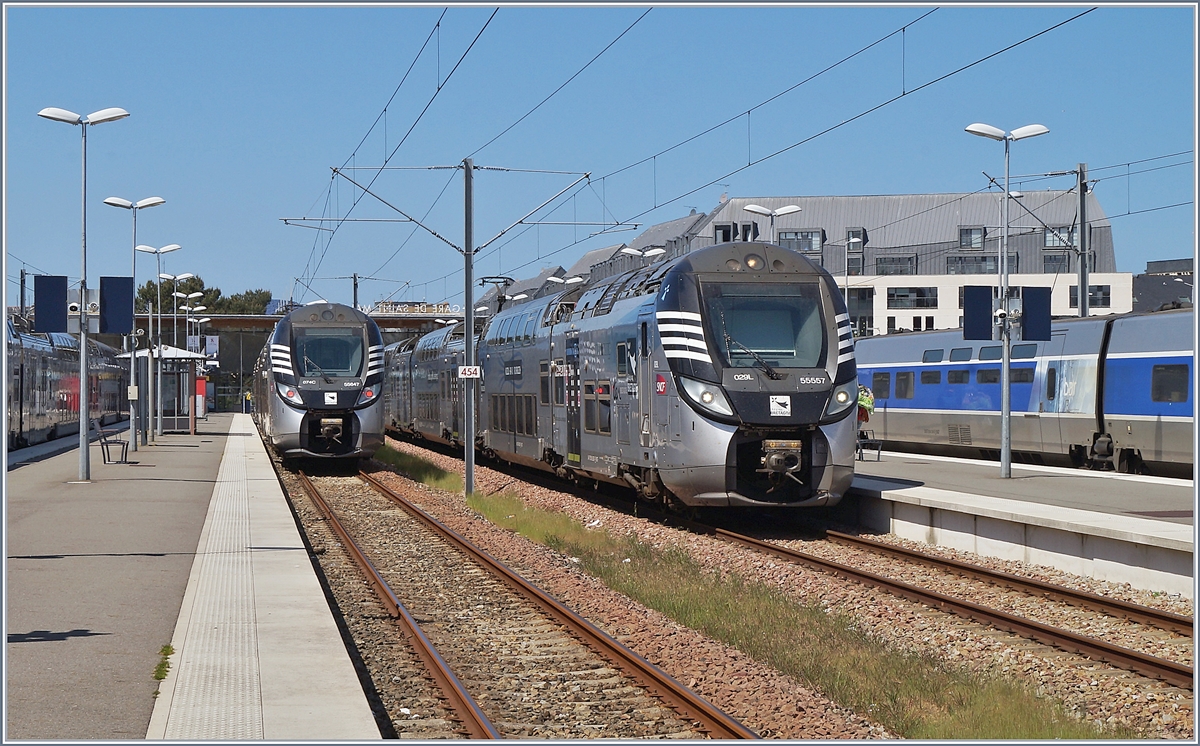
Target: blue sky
[{"x": 239, "y": 113}]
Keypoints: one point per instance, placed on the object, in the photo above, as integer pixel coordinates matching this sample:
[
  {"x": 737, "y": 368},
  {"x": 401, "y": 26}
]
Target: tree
[{"x": 249, "y": 302}]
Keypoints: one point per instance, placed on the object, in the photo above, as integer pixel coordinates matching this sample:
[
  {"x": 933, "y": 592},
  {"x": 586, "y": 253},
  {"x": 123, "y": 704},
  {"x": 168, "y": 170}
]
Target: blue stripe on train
[{"x": 1129, "y": 387}]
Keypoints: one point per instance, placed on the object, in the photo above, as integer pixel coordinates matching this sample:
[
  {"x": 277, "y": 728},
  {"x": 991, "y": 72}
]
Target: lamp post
[
  {"x": 174, "y": 337},
  {"x": 133, "y": 208},
  {"x": 995, "y": 133},
  {"x": 175, "y": 293},
  {"x": 200, "y": 334},
  {"x": 760, "y": 210},
  {"x": 157, "y": 430},
  {"x": 70, "y": 117}
]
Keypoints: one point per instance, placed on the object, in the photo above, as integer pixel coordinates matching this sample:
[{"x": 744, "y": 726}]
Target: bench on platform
[
  {"x": 109, "y": 441},
  {"x": 867, "y": 440}
]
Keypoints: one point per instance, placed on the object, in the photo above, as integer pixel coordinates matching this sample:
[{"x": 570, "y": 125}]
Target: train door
[
  {"x": 571, "y": 352},
  {"x": 645, "y": 378},
  {"x": 1047, "y": 393}
]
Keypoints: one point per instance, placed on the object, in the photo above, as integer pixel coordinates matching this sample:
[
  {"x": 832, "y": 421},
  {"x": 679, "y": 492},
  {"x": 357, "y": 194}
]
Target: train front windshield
[
  {"x": 329, "y": 351},
  {"x": 780, "y": 323}
]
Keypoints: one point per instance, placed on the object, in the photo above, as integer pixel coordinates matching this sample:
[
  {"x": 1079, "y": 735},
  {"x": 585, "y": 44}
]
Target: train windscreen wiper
[
  {"x": 771, "y": 372},
  {"x": 324, "y": 375}
]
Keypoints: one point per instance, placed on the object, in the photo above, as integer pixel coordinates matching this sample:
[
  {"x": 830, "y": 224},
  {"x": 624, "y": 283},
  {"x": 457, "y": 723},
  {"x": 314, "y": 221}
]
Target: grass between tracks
[{"x": 914, "y": 695}]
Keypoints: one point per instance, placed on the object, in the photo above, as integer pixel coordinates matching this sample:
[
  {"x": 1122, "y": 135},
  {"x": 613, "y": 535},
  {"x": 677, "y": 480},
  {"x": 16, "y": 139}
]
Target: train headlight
[
  {"x": 842, "y": 398},
  {"x": 289, "y": 394},
  {"x": 369, "y": 394},
  {"x": 708, "y": 396}
]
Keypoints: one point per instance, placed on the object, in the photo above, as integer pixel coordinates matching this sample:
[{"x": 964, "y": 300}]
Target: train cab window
[
  {"x": 931, "y": 377},
  {"x": 1021, "y": 375},
  {"x": 1169, "y": 383},
  {"x": 932, "y": 356},
  {"x": 1020, "y": 352},
  {"x": 987, "y": 375},
  {"x": 904, "y": 385},
  {"x": 995, "y": 352},
  {"x": 622, "y": 359},
  {"x": 589, "y": 406},
  {"x": 560, "y": 382},
  {"x": 881, "y": 385},
  {"x": 1051, "y": 383},
  {"x": 960, "y": 354},
  {"x": 958, "y": 376},
  {"x": 544, "y": 379}
]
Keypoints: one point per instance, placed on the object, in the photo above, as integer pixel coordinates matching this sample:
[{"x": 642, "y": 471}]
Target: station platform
[
  {"x": 190, "y": 544},
  {"x": 1118, "y": 527}
]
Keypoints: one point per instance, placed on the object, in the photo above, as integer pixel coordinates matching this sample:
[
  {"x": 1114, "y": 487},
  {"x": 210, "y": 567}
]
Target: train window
[
  {"x": 519, "y": 426},
  {"x": 904, "y": 385},
  {"x": 881, "y": 385},
  {"x": 622, "y": 360},
  {"x": 1021, "y": 375},
  {"x": 511, "y": 414},
  {"x": 528, "y": 335},
  {"x": 1051, "y": 383},
  {"x": 531, "y": 415},
  {"x": 560, "y": 382},
  {"x": 959, "y": 354},
  {"x": 931, "y": 377},
  {"x": 987, "y": 375},
  {"x": 645, "y": 341},
  {"x": 932, "y": 356},
  {"x": 495, "y": 413},
  {"x": 544, "y": 375},
  {"x": 589, "y": 406},
  {"x": 1020, "y": 352},
  {"x": 604, "y": 407},
  {"x": 991, "y": 353},
  {"x": 1169, "y": 383},
  {"x": 958, "y": 376}
]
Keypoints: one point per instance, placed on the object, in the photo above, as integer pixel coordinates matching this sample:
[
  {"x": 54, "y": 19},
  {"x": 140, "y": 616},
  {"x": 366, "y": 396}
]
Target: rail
[
  {"x": 678, "y": 697},
  {"x": 463, "y": 705}
]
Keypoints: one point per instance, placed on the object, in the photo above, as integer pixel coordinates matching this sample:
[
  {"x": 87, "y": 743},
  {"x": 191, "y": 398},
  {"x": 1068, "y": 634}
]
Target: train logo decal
[
  {"x": 682, "y": 335},
  {"x": 331, "y": 397},
  {"x": 781, "y": 406},
  {"x": 660, "y": 384}
]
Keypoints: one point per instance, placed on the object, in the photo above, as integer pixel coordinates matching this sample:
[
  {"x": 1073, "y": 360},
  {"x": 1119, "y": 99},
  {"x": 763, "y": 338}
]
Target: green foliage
[
  {"x": 164, "y": 663},
  {"x": 248, "y": 302},
  {"x": 420, "y": 470}
]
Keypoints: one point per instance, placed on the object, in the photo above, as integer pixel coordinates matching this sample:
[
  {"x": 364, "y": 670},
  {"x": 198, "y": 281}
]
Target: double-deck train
[
  {"x": 1113, "y": 392},
  {"x": 43, "y": 385},
  {"x": 724, "y": 377},
  {"x": 317, "y": 384}
]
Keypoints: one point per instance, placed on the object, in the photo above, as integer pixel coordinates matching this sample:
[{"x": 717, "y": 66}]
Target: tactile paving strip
[{"x": 217, "y": 692}]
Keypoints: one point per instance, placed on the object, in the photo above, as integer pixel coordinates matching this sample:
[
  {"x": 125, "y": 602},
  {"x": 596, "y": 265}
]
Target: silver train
[
  {"x": 725, "y": 377},
  {"x": 43, "y": 386},
  {"x": 1112, "y": 392},
  {"x": 317, "y": 384}
]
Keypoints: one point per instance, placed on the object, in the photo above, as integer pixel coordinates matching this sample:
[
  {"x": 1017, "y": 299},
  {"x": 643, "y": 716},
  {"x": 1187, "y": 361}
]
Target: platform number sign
[{"x": 470, "y": 371}]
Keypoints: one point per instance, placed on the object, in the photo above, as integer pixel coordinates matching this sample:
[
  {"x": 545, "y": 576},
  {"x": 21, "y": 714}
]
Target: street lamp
[
  {"x": 133, "y": 208},
  {"x": 70, "y": 117},
  {"x": 200, "y": 332},
  {"x": 158, "y": 337},
  {"x": 760, "y": 210},
  {"x": 174, "y": 314},
  {"x": 647, "y": 253},
  {"x": 995, "y": 133},
  {"x": 568, "y": 280}
]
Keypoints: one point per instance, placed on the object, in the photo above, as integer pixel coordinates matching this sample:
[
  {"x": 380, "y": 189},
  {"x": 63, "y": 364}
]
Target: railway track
[
  {"x": 1152, "y": 666},
  {"x": 529, "y": 667},
  {"x": 1163, "y": 669}
]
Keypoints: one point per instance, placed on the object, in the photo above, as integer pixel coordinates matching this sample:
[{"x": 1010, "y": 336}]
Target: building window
[
  {"x": 854, "y": 265},
  {"x": 1059, "y": 236},
  {"x": 970, "y": 238},
  {"x": 807, "y": 242},
  {"x": 1099, "y": 296},
  {"x": 856, "y": 233},
  {"x": 1056, "y": 263},
  {"x": 896, "y": 265},
  {"x": 912, "y": 297},
  {"x": 891, "y": 324},
  {"x": 916, "y": 327},
  {"x": 928, "y": 322},
  {"x": 972, "y": 265},
  {"x": 749, "y": 231},
  {"x": 723, "y": 232}
]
